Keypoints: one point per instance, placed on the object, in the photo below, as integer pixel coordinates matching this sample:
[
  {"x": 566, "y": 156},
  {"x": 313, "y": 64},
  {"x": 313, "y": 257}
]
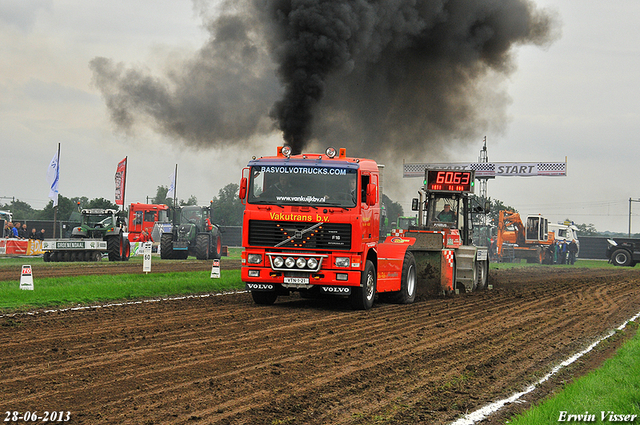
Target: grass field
[
  {"x": 71, "y": 291},
  {"x": 610, "y": 394}
]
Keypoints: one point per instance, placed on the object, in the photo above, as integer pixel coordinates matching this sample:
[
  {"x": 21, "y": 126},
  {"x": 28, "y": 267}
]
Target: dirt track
[{"x": 223, "y": 360}]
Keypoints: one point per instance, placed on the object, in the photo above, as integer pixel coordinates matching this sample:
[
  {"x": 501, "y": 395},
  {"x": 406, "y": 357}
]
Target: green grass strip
[
  {"x": 613, "y": 389},
  {"x": 66, "y": 291}
]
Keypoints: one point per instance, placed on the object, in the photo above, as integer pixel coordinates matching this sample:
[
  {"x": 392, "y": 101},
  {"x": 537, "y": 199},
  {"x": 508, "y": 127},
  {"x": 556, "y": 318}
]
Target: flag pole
[
  {"x": 55, "y": 209},
  {"x": 175, "y": 188},
  {"x": 124, "y": 184}
]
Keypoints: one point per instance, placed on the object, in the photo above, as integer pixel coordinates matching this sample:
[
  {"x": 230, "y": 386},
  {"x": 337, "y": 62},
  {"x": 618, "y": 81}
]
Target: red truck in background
[
  {"x": 142, "y": 219},
  {"x": 312, "y": 224}
]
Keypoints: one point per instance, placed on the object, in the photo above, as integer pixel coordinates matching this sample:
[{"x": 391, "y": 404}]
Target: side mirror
[{"x": 243, "y": 188}]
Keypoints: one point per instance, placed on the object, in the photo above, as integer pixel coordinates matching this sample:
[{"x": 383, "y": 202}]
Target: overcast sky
[{"x": 579, "y": 98}]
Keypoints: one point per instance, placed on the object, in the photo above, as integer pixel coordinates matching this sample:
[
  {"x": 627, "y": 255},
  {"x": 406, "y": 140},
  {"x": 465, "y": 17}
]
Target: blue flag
[{"x": 53, "y": 178}]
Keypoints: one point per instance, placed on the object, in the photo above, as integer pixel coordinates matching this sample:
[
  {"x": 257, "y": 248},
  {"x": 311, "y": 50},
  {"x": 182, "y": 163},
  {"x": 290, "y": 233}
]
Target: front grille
[{"x": 326, "y": 236}]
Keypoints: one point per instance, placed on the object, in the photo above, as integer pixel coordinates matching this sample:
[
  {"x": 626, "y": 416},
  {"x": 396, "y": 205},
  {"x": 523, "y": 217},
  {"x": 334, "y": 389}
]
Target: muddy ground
[{"x": 224, "y": 360}]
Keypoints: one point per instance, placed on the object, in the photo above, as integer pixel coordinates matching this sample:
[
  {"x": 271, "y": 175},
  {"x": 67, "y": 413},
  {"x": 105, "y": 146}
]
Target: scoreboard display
[{"x": 450, "y": 181}]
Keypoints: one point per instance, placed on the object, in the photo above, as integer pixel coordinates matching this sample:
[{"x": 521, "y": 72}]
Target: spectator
[
  {"x": 6, "y": 232},
  {"x": 14, "y": 230},
  {"x": 33, "y": 234},
  {"x": 41, "y": 235},
  {"x": 563, "y": 252},
  {"x": 573, "y": 250},
  {"x": 23, "y": 231}
]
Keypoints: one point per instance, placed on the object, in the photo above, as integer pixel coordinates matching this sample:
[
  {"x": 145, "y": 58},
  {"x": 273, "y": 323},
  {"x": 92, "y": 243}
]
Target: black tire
[
  {"x": 46, "y": 257},
  {"x": 127, "y": 249},
  {"x": 621, "y": 257},
  {"x": 96, "y": 256},
  {"x": 202, "y": 247},
  {"x": 114, "y": 247},
  {"x": 482, "y": 271},
  {"x": 166, "y": 246},
  {"x": 409, "y": 282},
  {"x": 362, "y": 298},
  {"x": 264, "y": 297},
  {"x": 216, "y": 248}
]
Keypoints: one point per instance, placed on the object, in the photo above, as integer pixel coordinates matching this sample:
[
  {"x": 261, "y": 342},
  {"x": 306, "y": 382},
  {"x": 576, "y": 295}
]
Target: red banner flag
[{"x": 120, "y": 179}]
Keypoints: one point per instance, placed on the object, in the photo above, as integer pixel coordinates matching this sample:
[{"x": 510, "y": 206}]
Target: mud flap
[
  {"x": 447, "y": 268},
  {"x": 435, "y": 271}
]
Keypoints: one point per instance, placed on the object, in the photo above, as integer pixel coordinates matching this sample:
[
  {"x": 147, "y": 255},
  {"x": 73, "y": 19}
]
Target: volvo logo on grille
[
  {"x": 259, "y": 287},
  {"x": 336, "y": 290}
]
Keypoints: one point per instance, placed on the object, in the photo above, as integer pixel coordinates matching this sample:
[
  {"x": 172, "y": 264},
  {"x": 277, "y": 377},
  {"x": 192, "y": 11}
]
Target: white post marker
[
  {"x": 26, "y": 278},
  {"x": 146, "y": 252},
  {"x": 215, "y": 269}
]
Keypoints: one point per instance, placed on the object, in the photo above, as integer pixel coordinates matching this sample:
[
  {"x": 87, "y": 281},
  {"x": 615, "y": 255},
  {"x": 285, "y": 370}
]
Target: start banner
[{"x": 492, "y": 169}]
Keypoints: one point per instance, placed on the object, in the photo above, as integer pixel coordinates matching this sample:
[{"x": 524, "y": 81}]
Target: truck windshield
[{"x": 296, "y": 185}]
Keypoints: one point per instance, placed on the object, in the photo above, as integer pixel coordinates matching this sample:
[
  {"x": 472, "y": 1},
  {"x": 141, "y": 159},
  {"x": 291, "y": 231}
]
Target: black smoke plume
[{"x": 378, "y": 76}]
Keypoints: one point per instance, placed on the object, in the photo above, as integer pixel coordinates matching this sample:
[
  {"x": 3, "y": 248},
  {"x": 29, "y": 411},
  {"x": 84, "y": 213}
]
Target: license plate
[{"x": 303, "y": 280}]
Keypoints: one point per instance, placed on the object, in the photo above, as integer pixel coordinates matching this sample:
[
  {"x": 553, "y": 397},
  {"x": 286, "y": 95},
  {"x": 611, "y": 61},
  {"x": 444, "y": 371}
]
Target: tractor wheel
[
  {"x": 216, "y": 249},
  {"x": 408, "y": 284},
  {"x": 482, "y": 271},
  {"x": 362, "y": 298},
  {"x": 202, "y": 247},
  {"x": 127, "y": 249},
  {"x": 621, "y": 257},
  {"x": 114, "y": 247},
  {"x": 46, "y": 257},
  {"x": 166, "y": 246},
  {"x": 264, "y": 297}
]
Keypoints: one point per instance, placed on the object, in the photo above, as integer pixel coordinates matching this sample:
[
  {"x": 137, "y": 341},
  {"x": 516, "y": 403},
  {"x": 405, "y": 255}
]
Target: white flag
[
  {"x": 53, "y": 178},
  {"x": 172, "y": 185}
]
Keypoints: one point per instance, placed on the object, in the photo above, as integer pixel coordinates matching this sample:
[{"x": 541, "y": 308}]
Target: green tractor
[
  {"x": 100, "y": 231},
  {"x": 192, "y": 234}
]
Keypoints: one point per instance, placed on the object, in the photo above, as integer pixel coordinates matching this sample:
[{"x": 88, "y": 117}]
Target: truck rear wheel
[
  {"x": 407, "y": 292},
  {"x": 621, "y": 257},
  {"x": 362, "y": 298}
]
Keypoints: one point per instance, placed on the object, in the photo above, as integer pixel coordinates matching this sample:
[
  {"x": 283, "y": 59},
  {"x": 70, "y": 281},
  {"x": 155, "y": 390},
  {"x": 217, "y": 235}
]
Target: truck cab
[{"x": 311, "y": 224}]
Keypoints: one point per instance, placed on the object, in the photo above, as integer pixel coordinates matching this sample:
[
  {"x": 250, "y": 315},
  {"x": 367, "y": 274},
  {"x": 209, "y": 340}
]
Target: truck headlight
[
  {"x": 342, "y": 261},
  {"x": 312, "y": 263},
  {"x": 254, "y": 258},
  {"x": 301, "y": 263},
  {"x": 278, "y": 262},
  {"x": 290, "y": 262}
]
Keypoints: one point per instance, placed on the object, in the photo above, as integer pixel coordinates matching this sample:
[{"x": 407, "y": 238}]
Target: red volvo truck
[{"x": 312, "y": 224}]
